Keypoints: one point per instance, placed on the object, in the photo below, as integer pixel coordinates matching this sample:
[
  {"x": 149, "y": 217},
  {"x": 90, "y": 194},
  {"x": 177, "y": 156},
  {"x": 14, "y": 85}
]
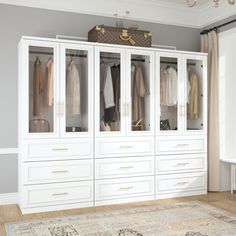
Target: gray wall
[{"x": 17, "y": 21}]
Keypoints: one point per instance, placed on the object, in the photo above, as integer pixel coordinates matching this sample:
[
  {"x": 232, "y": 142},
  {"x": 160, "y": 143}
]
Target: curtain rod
[{"x": 217, "y": 27}]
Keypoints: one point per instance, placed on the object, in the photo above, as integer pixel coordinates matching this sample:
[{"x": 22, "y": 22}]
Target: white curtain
[{"x": 209, "y": 44}]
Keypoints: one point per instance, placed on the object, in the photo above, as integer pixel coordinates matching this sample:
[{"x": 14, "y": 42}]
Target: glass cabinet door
[
  {"x": 76, "y": 90},
  {"x": 195, "y": 99},
  {"x": 42, "y": 86},
  {"x": 140, "y": 90},
  {"x": 168, "y": 89},
  {"x": 108, "y": 91}
]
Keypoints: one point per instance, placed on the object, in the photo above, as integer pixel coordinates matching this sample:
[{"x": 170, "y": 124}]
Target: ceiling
[{"x": 173, "y": 12}]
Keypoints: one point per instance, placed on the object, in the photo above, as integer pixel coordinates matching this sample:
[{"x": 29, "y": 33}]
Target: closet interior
[
  {"x": 110, "y": 91},
  {"x": 140, "y": 92},
  {"x": 194, "y": 100},
  {"x": 41, "y": 89},
  {"x": 169, "y": 93},
  {"x": 76, "y": 90}
]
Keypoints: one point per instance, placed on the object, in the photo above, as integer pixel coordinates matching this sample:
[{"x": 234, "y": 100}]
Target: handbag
[
  {"x": 165, "y": 124},
  {"x": 39, "y": 125}
]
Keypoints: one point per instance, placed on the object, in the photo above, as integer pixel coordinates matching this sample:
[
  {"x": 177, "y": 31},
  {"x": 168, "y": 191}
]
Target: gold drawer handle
[
  {"x": 183, "y": 164},
  {"x": 59, "y": 194},
  {"x": 182, "y": 183},
  {"x": 60, "y": 149},
  {"x": 126, "y": 188},
  {"x": 126, "y": 146},
  {"x": 182, "y": 145},
  {"x": 126, "y": 167},
  {"x": 60, "y": 171}
]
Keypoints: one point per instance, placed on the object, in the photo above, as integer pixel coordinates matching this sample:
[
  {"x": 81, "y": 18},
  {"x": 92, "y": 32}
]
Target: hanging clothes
[
  {"x": 38, "y": 87},
  {"x": 162, "y": 87},
  {"x": 73, "y": 90},
  {"x": 171, "y": 86},
  {"x": 193, "y": 110},
  {"x": 139, "y": 92},
  {"x": 49, "y": 88},
  {"x": 115, "y": 72},
  {"x": 108, "y": 92}
]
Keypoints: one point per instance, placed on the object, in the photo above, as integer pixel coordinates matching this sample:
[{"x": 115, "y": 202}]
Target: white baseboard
[{"x": 8, "y": 198}]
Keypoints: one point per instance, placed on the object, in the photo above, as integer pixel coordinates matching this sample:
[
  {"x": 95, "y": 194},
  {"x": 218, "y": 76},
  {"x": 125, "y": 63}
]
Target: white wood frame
[
  {"x": 90, "y": 93},
  {"x": 177, "y": 56},
  {"x": 120, "y": 51},
  {"x": 24, "y": 89},
  {"x": 129, "y": 53},
  {"x": 204, "y": 92}
]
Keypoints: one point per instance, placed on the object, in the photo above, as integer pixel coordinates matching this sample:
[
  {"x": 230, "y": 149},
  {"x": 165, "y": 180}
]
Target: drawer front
[
  {"x": 124, "y": 167},
  {"x": 176, "y": 163},
  {"x": 118, "y": 188},
  {"x": 183, "y": 182},
  {"x": 59, "y": 150},
  {"x": 180, "y": 145},
  {"x": 124, "y": 147},
  {"x": 58, "y": 193},
  {"x": 47, "y": 172}
]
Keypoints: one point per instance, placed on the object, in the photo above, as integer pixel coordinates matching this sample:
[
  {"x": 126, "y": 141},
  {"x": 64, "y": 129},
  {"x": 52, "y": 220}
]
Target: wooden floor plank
[{"x": 11, "y": 213}]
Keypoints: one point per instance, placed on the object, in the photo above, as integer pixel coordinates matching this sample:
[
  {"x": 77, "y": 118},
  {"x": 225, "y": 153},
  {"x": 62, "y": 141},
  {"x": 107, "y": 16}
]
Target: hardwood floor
[{"x": 11, "y": 213}]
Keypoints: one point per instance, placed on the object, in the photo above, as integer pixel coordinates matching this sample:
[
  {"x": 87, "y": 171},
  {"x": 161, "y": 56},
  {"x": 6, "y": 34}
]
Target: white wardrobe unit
[
  {"x": 95, "y": 127},
  {"x": 181, "y": 124},
  {"x": 124, "y": 150},
  {"x": 55, "y": 127}
]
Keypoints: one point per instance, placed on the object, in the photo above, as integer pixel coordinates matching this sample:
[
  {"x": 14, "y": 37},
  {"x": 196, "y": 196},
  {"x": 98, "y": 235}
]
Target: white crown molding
[
  {"x": 210, "y": 15},
  {"x": 8, "y": 198},
  {"x": 155, "y": 11}
]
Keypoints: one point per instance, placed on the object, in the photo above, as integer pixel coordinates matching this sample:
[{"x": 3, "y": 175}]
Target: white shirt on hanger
[{"x": 171, "y": 87}]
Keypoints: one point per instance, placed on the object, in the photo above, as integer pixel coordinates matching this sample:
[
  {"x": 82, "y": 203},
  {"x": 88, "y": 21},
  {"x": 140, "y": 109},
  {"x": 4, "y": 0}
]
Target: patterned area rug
[{"x": 185, "y": 219}]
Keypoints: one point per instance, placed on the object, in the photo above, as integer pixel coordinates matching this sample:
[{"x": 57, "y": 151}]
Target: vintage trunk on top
[{"x": 122, "y": 36}]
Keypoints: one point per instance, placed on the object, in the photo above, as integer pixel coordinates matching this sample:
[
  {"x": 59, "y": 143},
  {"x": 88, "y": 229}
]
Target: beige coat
[
  {"x": 139, "y": 92},
  {"x": 193, "y": 109},
  {"x": 72, "y": 90},
  {"x": 49, "y": 84},
  {"x": 38, "y": 87}
]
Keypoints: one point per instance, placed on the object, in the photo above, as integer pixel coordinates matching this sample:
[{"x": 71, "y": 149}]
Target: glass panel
[
  {"x": 110, "y": 85},
  {"x": 76, "y": 90},
  {"x": 140, "y": 91},
  {"x": 168, "y": 94},
  {"x": 41, "y": 89},
  {"x": 194, "y": 95}
]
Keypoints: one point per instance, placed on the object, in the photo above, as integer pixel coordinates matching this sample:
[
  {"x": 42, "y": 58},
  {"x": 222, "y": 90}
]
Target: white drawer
[
  {"x": 118, "y": 188},
  {"x": 124, "y": 147},
  {"x": 47, "y": 194},
  {"x": 62, "y": 149},
  {"x": 178, "y": 163},
  {"x": 187, "y": 145},
  {"x": 124, "y": 167},
  {"x": 47, "y": 172},
  {"x": 183, "y": 182}
]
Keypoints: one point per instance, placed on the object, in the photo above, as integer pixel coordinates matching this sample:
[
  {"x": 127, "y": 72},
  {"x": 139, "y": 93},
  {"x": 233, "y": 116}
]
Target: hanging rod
[
  {"x": 50, "y": 53},
  {"x": 218, "y": 27},
  {"x": 175, "y": 63},
  {"x": 115, "y": 58}
]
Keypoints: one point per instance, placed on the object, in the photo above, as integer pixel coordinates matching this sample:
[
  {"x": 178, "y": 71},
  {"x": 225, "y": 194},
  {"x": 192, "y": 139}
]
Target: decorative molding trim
[
  {"x": 155, "y": 11},
  {"x": 4, "y": 151},
  {"x": 8, "y": 198}
]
